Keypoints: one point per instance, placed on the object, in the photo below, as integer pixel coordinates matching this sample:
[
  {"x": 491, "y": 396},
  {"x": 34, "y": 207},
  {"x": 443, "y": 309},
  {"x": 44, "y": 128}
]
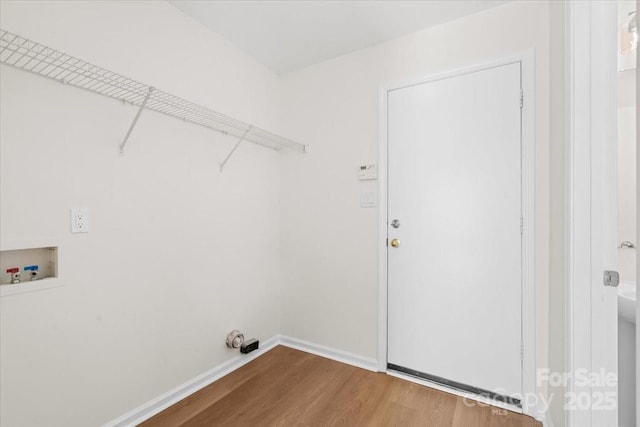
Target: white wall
[
  {"x": 627, "y": 173},
  {"x": 178, "y": 254},
  {"x": 329, "y": 243},
  {"x": 627, "y": 183}
]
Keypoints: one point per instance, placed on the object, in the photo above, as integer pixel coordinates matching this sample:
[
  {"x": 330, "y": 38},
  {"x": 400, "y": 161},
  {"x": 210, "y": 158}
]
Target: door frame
[
  {"x": 591, "y": 199},
  {"x": 527, "y": 60}
]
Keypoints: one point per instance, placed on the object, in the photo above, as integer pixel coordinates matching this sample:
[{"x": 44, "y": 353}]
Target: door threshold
[{"x": 470, "y": 397}]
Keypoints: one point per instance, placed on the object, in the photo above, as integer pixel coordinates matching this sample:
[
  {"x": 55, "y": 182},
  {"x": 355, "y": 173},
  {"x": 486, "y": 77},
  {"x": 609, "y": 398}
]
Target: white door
[{"x": 454, "y": 191}]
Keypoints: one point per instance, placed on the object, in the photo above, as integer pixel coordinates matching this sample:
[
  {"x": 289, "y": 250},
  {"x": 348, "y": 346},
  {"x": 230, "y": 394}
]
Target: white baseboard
[
  {"x": 160, "y": 403},
  {"x": 330, "y": 353}
]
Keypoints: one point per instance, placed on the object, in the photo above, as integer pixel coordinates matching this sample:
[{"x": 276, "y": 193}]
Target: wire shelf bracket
[
  {"x": 27, "y": 55},
  {"x": 235, "y": 147},
  {"x": 135, "y": 120}
]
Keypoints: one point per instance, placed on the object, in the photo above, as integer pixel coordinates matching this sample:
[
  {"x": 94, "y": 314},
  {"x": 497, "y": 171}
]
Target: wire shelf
[{"x": 27, "y": 55}]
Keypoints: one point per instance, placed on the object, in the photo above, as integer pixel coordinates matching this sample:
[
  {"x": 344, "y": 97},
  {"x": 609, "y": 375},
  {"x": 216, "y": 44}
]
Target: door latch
[{"x": 611, "y": 278}]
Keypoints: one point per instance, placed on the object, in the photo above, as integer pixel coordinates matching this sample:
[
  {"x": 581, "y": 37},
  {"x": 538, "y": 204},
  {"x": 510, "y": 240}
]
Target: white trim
[
  {"x": 576, "y": 251},
  {"x": 545, "y": 419},
  {"x": 529, "y": 364},
  {"x": 382, "y": 231},
  {"x": 521, "y": 56},
  {"x": 590, "y": 183},
  {"x": 330, "y": 353},
  {"x": 527, "y": 59},
  {"x": 162, "y": 402}
]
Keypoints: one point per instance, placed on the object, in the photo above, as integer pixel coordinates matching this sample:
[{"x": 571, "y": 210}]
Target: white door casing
[
  {"x": 591, "y": 210},
  {"x": 454, "y": 283},
  {"x": 527, "y": 327}
]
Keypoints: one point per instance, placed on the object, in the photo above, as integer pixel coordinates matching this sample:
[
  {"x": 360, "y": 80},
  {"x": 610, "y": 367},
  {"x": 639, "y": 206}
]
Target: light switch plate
[
  {"x": 79, "y": 220},
  {"x": 368, "y": 199},
  {"x": 367, "y": 171}
]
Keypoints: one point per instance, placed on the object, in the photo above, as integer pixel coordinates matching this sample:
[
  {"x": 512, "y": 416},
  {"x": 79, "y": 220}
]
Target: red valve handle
[{"x": 13, "y": 270}]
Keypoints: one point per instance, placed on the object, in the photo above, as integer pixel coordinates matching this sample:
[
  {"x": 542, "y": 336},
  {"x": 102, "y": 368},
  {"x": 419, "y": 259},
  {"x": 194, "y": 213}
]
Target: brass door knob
[{"x": 395, "y": 243}]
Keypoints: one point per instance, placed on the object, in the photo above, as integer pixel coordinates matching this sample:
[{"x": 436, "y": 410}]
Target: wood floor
[{"x": 286, "y": 387}]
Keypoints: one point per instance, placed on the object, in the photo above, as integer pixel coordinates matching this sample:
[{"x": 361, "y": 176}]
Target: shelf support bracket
[
  {"x": 235, "y": 147},
  {"x": 135, "y": 120}
]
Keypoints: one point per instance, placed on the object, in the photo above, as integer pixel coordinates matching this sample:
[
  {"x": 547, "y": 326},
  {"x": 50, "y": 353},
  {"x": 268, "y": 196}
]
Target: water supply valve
[
  {"x": 34, "y": 271},
  {"x": 15, "y": 274}
]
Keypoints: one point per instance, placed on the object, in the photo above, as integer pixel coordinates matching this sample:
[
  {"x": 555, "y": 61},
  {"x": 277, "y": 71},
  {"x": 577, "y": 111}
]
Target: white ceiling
[{"x": 287, "y": 35}]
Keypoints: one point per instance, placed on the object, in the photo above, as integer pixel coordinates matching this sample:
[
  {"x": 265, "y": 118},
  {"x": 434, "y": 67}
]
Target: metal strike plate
[{"x": 611, "y": 278}]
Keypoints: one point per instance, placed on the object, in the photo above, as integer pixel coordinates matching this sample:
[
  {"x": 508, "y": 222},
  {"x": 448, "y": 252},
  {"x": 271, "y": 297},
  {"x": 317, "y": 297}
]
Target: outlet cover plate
[
  {"x": 79, "y": 220},
  {"x": 368, "y": 199}
]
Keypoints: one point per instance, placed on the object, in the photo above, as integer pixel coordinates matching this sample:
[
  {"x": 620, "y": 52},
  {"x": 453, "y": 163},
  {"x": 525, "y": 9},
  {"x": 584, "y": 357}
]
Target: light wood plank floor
[{"x": 286, "y": 387}]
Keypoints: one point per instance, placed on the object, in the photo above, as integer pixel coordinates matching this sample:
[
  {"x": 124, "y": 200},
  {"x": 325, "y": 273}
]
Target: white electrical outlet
[{"x": 79, "y": 220}]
